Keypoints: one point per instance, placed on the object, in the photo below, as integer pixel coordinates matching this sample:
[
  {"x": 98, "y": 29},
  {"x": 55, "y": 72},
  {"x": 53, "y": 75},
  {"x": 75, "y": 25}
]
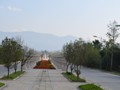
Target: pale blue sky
[{"x": 81, "y": 18}]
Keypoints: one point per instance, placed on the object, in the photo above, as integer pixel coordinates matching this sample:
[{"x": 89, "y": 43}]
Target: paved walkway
[{"x": 41, "y": 80}]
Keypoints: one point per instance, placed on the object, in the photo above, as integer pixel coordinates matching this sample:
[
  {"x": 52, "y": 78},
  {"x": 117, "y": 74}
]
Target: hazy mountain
[{"x": 39, "y": 41}]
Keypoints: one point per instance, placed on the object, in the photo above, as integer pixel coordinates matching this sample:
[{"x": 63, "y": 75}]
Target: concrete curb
[
  {"x": 66, "y": 77},
  {"x": 54, "y": 65},
  {"x": 19, "y": 76},
  {"x": 91, "y": 82},
  {"x": 3, "y": 87}
]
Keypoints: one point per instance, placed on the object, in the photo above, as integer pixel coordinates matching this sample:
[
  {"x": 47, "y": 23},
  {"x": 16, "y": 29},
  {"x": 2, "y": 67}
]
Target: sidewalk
[{"x": 35, "y": 79}]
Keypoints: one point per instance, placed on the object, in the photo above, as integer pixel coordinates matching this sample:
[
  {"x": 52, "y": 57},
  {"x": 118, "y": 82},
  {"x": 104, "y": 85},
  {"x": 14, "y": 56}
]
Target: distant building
[{"x": 44, "y": 56}]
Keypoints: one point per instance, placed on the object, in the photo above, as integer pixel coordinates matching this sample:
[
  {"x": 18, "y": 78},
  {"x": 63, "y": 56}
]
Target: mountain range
[{"x": 39, "y": 41}]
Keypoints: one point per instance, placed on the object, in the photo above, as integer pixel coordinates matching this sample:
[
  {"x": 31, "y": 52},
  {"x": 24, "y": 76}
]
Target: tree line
[
  {"x": 104, "y": 54},
  {"x": 12, "y": 52}
]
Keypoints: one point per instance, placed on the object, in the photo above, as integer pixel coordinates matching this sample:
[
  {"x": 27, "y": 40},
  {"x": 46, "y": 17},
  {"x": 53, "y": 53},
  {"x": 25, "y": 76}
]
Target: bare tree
[
  {"x": 112, "y": 34},
  {"x": 27, "y": 54}
]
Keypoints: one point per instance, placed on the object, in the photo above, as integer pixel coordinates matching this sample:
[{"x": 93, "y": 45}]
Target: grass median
[
  {"x": 1, "y": 84},
  {"x": 72, "y": 77},
  {"x": 89, "y": 87},
  {"x": 12, "y": 76}
]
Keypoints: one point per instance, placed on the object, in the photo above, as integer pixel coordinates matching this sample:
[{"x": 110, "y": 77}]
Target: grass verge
[
  {"x": 1, "y": 84},
  {"x": 72, "y": 77},
  {"x": 12, "y": 76},
  {"x": 90, "y": 87}
]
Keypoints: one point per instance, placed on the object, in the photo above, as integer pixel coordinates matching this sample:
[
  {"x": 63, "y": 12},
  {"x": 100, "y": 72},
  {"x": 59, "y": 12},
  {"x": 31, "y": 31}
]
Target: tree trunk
[
  {"x": 71, "y": 68},
  {"x": 21, "y": 67},
  {"x": 111, "y": 62},
  {"x": 15, "y": 67},
  {"x": 67, "y": 67},
  {"x": 8, "y": 68},
  {"x": 78, "y": 72}
]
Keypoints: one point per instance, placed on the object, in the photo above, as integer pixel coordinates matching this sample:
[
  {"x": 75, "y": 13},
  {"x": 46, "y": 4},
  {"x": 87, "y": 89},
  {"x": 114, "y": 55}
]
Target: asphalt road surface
[
  {"x": 59, "y": 62},
  {"x": 3, "y": 70},
  {"x": 106, "y": 80}
]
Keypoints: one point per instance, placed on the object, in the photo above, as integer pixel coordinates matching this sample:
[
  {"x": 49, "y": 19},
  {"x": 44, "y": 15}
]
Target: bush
[
  {"x": 90, "y": 87},
  {"x": 92, "y": 58},
  {"x": 72, "y": 77}
]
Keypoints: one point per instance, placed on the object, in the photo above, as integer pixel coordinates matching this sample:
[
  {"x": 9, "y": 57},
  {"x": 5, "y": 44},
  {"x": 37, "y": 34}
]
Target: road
[
  {"x": 59, "y": 62},
  {"x": 105, "y": 79},
  {"x": 3, "y": 70}
]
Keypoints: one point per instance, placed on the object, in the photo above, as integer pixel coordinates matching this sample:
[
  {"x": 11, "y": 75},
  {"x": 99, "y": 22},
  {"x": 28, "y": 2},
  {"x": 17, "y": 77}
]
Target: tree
[
  {"x": 68, "y": 52},
  {"x": 112, "y": 34},
  {"x": 66, "y": 55},
  {"x": 1, "y": 61},
  {"x": 79, "y": 51},
  {"x": 97, "y": 44},
  {"x": 18, "y": 45},
  {"x": 92, "y": 56},
  {"x": 17, "y": 53},
  {"x": 27, "y": 54},
  {"x": 7, "y": 53}
]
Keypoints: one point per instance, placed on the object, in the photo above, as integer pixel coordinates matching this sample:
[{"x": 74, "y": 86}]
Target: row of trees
[
  {"x": 104, "y": 55},
  {"x": 12, "y": 51},
  {"x": 79, "y": 53}
]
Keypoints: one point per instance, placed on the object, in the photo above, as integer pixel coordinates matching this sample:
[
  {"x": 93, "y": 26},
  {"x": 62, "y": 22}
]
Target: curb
[
  {"x": 54, "y": 65},
  {"x": 67, "y": 77},
  {"x": 19, "y": 76},
  {"x": 3, "y": 87},
  {"x": 89, "y": 82}
]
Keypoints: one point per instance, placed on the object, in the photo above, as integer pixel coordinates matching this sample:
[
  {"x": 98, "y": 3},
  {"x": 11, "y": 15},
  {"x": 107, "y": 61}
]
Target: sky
[{"x": 79, "y": 18}]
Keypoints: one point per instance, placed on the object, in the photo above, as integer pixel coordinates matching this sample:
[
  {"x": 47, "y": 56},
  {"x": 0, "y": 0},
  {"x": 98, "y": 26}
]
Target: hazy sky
[{"x": 81, "y": 18}]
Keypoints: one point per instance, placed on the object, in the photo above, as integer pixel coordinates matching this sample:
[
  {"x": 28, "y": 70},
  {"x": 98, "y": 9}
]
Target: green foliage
[
  {"x": 7, "y": 53},
  {"x": 112, "y": 34},
  {"x": 68, "y": 52},
  {"x": 74, "y": 55},
  {"x": 10, "y": 53},
  {"x": 79, "y": 51},
  {"x": 92, "y": 57},
  {"x": 1, "y": 84},
  {"x": 90, "y": 87},
  {"x": 106, "y": 58},
  {"x": 12, "y": 76},
  {"x": 72, "y": 77},
  {"x": 97, "y": 44},
  {"x": 104, "y": 54}
]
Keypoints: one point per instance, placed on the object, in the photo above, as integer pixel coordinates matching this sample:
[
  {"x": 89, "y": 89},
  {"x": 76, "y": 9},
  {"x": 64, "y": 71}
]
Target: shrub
[
  {"x": 90, "y": 87},
  {"x": 72, "y": 77}
]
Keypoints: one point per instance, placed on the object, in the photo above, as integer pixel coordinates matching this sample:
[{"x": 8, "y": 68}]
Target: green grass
[
  {"x": 1, "y": 84},
  {"x": 90, "y": 87},
  {"x": 115, "y": 73},
  {"x": 12, "y": 76},
  {"x": 72, "y": 77}
]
